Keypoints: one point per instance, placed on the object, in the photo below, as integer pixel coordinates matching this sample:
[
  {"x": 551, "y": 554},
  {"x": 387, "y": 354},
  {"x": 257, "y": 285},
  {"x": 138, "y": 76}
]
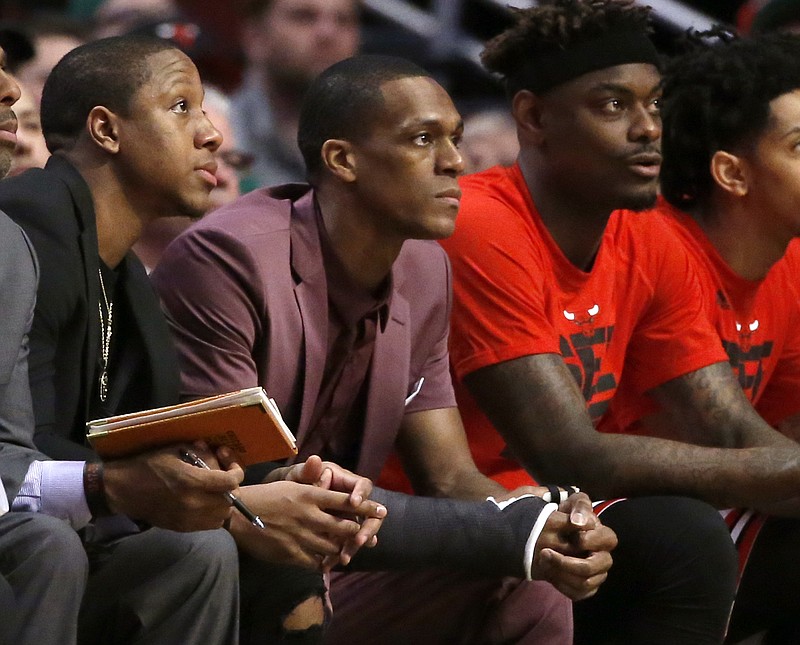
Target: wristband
[
  {"x": 556, "y": 495},
  {"x": 94, "y": 490}
]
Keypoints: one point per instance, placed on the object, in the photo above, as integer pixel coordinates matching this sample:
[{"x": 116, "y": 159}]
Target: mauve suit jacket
[
  {"x": 54, "y": 207},
  {"x": 246, "y": 297}
]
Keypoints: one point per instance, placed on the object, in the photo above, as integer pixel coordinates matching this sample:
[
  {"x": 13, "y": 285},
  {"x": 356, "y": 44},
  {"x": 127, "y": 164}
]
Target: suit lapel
[
  {"x": 311, "y": 295},
  {"x": 87, "y": 241},
  {"x": 147, "y": 342}
]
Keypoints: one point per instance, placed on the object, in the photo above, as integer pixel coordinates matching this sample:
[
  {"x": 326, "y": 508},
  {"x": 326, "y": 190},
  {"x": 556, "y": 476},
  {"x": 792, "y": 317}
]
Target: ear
[
  {"x": 339, "y": 158},
  {"x": 526, "y": 107},
  {"x": 102, "y": 126},
  {"x": 730, "y": 173}
]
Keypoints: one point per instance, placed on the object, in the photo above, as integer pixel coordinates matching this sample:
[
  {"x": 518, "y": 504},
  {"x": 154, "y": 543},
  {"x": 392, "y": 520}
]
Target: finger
[
  {"x": 340, "y": 529},
  {"x": 308, "y": 472},
  {"x": 326, "y": 479},
  {"x": 370, "y": 508},
  {"x": 560, "y": 571},
  {"x": 227, "y": 460},
  {"x": 579, "y": 509},
  {"x": 366, "y": 535},
  {"x": 336, "y": 502},
  {"x": 360, "y": 488},
  {"x": 556, "y": 533},
  {"x": 601, "y": 538},
  {"x": 583, "y": 568}
]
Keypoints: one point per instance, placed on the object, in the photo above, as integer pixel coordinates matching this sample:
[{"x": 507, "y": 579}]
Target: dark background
[{"x": 219, "y": 58}]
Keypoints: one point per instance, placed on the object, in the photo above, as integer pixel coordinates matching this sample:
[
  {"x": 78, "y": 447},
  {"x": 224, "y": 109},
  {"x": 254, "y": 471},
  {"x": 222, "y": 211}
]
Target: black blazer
[{"x": 54, "y": 207}]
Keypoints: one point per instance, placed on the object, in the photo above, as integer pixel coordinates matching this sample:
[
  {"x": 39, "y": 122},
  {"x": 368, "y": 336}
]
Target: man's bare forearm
[{"x": 535, "y": 404}]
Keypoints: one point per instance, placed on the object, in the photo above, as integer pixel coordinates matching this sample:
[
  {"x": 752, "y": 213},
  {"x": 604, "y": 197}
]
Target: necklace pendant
[{"x": 103, "y": 385}]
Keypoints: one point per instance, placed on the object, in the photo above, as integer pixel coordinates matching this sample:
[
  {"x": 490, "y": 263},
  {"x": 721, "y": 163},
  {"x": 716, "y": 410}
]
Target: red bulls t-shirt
[
  {"x": 758, "y": 323},
  {"x": 516, "y": 294}
]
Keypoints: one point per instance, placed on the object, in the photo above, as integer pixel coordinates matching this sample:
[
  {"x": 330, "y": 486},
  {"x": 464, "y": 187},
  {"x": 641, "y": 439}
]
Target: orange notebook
[{"x": 247, "y": 421}]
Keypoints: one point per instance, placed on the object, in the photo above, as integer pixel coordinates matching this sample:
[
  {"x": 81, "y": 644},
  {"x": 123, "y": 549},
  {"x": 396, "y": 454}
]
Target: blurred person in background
[
  {"x": 286, "y": 44},
  {"x": 117, "y": 17},
  {"x": 52, "y": 36},
  {"x": 31, "y": 149},
  {"x": 490, "y": 139}
]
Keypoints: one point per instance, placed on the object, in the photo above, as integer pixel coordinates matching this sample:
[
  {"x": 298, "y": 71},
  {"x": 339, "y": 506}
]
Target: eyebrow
[
  {"x": 617, "y": 87},
  {"x": 791, "y": 132},
  {"x": 428, "y": 123}
]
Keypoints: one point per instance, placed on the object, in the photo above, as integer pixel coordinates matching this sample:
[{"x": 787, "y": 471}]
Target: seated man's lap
[{"x": 439, "y": 606}]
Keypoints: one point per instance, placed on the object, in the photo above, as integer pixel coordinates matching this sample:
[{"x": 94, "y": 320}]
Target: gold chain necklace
[{"x": 105, "y": 338}]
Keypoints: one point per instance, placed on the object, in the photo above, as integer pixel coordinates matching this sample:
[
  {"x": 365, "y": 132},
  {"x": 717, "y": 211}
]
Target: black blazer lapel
[{"x": 147, "y": 373}]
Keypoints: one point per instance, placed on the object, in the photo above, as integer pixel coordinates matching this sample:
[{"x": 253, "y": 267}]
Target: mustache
[{"x": 7, "y": 115}]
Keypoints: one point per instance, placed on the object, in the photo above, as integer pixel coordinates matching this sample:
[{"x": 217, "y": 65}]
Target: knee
[
  {"x": 309, "y": 613},
  {"x": 704, "y": 538},
  {"x": 691, "y": 542},
  {"x": 214, "y": 550},
  {"x": 57, "y": 549}
]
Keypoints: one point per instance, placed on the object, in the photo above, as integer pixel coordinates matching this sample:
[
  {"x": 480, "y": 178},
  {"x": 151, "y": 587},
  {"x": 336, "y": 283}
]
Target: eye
[
  {"x": 457, "y": 139},
  {"x": 181, "y": 107},
  {"x": 613, "y": 105},
  {"x": 655, "y": 106},
  {"x": 423, "y": 139}
]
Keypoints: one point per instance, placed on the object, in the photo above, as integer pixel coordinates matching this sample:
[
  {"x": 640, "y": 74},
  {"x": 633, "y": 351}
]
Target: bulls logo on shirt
[
  {"x": 587, "y": 344},
  {"x": 746, "y": 356},
  {"x": 584, "y": 320}
]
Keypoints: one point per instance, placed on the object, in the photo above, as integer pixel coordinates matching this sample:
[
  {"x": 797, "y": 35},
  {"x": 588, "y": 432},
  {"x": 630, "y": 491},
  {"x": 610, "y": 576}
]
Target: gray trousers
[
  {"x": 43, "y": 568},
  {"x": 162, "y": 587}
]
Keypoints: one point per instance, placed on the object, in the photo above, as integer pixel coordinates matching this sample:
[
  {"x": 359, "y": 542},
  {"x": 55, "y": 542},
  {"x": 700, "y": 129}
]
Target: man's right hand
[
  {"x": 573, "y": 550},
  {"x": 306, "y": 525},
  {"x": 159, "y": 488}
]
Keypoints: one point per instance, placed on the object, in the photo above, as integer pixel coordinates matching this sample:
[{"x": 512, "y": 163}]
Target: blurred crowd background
[{"x": 257, "y": 57}]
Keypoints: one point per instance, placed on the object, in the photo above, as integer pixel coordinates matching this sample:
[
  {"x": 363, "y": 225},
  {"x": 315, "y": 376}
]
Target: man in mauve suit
[
  {"x": 42, "y": 564},
  {"x": 335, "y": 298}
]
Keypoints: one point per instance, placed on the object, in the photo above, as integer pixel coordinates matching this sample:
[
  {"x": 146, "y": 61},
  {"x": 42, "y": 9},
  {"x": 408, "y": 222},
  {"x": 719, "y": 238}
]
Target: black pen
[{"x": 192, "y": 458}]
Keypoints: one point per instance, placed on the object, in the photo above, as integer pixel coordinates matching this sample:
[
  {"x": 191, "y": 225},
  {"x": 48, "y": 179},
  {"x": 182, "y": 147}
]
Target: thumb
[{"x": 308, "y": 472}]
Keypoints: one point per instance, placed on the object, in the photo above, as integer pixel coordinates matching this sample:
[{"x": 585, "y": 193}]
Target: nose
[
  {"x": 449, "y": 158},
  {"x": 207, "y": 135},
  {"x": 646, "y": 125},
  {"x": 328, "y": 26},
  {"x": 9, "y": 90}
]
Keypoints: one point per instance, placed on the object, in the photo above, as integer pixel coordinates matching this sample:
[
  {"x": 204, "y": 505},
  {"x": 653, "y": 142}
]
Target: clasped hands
[
  {"x": 317, "y": 515},
  {"x": 573, "y": 552}
]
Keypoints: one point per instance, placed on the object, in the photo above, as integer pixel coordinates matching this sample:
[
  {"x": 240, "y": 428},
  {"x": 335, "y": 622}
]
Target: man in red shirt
[
  {"x": 556, "y": 294},
  {"x": 731, "y": 122}
]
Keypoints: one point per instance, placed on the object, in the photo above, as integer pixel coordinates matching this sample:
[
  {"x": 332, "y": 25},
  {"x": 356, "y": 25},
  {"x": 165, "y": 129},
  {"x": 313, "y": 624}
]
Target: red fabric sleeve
[
  {"x": 498, "y": 309},
  {"x": 674, "y": 336}
]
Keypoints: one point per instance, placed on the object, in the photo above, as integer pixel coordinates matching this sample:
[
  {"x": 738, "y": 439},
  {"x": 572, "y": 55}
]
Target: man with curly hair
[
  {"x": 731, "y": 117},
  {"x": 559, "y": 294}
]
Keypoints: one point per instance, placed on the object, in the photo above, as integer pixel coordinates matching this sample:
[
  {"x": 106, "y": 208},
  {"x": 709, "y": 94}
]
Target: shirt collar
[{"x": 350, "y": 301}]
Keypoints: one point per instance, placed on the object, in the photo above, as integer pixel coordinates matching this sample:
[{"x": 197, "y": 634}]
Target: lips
[
  {"x": 451, "y": 196},
  {"x": 8, "y": 131},
  {"x": 209, "y": 173},
  {"x": 645, "y": 164}
]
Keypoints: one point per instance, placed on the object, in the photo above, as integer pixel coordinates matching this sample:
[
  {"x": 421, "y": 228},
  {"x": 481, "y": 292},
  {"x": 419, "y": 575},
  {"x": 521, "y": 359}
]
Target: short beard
[
  {"x": 641, "y": 202},
  {"x": 5, "y": 162}
]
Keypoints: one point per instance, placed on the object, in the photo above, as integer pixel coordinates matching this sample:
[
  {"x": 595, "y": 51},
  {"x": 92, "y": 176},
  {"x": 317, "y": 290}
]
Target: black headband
[{"x": 545, "y": 70}]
